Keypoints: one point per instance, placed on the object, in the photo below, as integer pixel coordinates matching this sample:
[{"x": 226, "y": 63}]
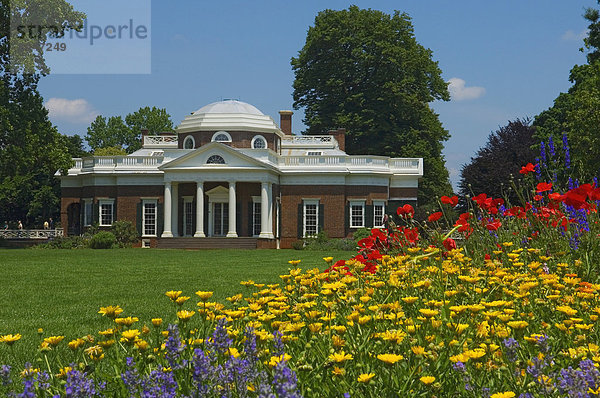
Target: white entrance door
[{"x": 220, "y": 220}]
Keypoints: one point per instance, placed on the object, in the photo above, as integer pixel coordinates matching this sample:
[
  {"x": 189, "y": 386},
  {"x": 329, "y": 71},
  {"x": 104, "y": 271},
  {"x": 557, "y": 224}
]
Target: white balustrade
[
  {"x": 324, "y": 141},
  {"x": 30, "y": 233},
  {"x": 160, "y": 141}
]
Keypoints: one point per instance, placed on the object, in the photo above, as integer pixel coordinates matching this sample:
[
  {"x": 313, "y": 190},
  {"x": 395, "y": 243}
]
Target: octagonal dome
[
  {"x": 229, "y": 106},
  {"x": 229, "y": 115}
]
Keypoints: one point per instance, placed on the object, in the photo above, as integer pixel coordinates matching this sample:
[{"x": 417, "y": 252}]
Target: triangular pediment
[{"x": 212, "y": 156}]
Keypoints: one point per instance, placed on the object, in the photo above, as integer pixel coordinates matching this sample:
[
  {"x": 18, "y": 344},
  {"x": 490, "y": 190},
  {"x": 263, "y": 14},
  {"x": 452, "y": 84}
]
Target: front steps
[{"x": 206, "y": 243}]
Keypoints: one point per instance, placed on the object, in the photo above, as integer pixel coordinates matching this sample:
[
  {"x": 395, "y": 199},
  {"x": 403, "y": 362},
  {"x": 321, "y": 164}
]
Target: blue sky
[{"x": 505, "y": 59}]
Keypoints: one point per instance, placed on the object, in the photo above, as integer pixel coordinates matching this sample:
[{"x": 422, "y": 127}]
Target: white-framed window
[
  {"x": 215, "y": 159},
  {"x": 221, "y": 136},
  {"x": 256, "y": 217},
  {"x": 149, "y": 217},
  {"x": 378, "y": 213},
  {"x": 189, "y": 142},
  {"x": 259, "y": 142},
  {"x": 311, "y": 217},
  {"x": 88, "y": 206},
  {"x": 105, "y": 216},
  {"x": 357, "y": 214}
]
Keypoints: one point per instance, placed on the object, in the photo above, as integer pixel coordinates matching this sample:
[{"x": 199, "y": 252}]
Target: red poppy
[
  {"x": 449, "y": 244},
  {"x": 494, "y": 225},
  {"x": 577, "y": 197},
  {"x": 452, "y": 201},
  {"x": 537, "y": 197},
  {"x": 543, "y": 187},
  {"x": 406, "y": 210},
  {"x": 434, "y": 216},
  {"x": 555, "y": 196},
  {"x": 529, "y": 168}
]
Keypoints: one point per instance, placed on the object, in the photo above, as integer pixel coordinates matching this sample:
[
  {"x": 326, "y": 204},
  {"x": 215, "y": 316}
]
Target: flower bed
[{"x": 504, "y": 304}]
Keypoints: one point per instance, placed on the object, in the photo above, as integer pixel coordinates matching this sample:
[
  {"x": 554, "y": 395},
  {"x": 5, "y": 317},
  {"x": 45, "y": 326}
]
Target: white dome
[{"x": 229, "y": 106}]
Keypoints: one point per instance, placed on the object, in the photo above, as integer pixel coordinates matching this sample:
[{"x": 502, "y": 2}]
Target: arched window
[
  {"x": 215, "y": 159},
  {"x": 221, "y": 136},
  {"x": 259, "y": 142},
  {"x": 189, "y": 142}
]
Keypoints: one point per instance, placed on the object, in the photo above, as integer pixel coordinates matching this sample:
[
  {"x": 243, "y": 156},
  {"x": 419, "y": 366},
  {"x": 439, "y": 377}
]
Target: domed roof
[{"x": 229, "y": 106}]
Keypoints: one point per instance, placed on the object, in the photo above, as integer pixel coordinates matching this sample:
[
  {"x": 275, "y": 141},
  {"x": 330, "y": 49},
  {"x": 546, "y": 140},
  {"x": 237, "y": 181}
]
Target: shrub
[
  {"x": 103, "y": 240},
  {"x": 125, "y": 233},
  {"x": 64, "y": 242},
  {"x": 298, "y": 245},
  {"x": 361, "y": 234}
]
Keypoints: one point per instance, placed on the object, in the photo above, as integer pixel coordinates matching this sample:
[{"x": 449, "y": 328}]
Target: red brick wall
[
  {"x": 240, "y": 139},
  {"x": 403, "y": 192}
]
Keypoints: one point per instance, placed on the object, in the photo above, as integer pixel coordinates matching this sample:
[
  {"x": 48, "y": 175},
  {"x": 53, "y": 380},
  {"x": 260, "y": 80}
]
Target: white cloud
[
  {"x": 460, "y": 92},
  {"x": 569, "y": 35},
  {"x": 73, "y": 111}
]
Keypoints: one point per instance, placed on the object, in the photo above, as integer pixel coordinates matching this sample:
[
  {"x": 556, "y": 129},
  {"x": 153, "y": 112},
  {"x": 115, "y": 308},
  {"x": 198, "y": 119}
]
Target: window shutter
[
  {"x": 369, "y": 216},
  {"x": 114, "y": 210},
  {"x": 347, "y": 219},
  {"x": 96, "y": 213},
  {"x": 160, "y": 219},
  {"x": 300, "y": 220},
  {"x": 250, "y": 218},
  {"x": 321, "y": 218},
  {"x": 138, "y": 218}
]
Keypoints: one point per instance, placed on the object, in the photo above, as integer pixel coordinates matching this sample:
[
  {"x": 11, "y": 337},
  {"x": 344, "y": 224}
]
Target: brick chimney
[
  {"x": 340, "y": 137},
  {"x": 285, "y": 123}
]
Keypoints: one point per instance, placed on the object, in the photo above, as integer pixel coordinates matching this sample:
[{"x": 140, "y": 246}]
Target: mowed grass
[{"x": 61, "y": 291}]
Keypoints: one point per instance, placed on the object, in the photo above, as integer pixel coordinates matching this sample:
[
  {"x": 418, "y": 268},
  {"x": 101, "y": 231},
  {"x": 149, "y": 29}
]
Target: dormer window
[
  {"x": 189, "y": 142},
  {"x": 215, "y": 159},
  {"x": 221, "y": 136},
  {"x": 259, "y": 142}
]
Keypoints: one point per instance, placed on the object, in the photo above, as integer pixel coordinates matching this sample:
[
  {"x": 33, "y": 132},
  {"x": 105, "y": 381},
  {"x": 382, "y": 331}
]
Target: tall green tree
[
  {"x": 116, "y": 133},
  {"x": 31, "y": 150},
  {"x": 364, "y": 70},
  {"x": 507, "y": 150},
  {"x": 576, "y": 113}
]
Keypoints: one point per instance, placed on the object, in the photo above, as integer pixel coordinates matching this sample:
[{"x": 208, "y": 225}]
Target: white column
[
  {"x": 264, "y": 211},
  {"x": 199, "y": 210},
  {"x": 175, "y": 205},
  {"x": 232, "y": 232},
  {"x": 270, "y": 204},
  {"x": 167, "y": 216}
]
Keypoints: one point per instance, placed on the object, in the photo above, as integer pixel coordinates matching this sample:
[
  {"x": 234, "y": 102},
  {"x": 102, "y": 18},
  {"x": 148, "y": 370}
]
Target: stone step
[{"x": 206, "y": 243}]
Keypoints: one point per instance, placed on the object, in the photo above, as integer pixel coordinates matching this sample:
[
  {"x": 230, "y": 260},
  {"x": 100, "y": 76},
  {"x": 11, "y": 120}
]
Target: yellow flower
[
  {"x": 365, "y": 377},
  {"x": 233, "y": 352},
  {"x": 95, "y": 352},
  {"x": 418, "y": 350},
  {"x": 338, "y": 371},
  {"x": 410, "y": 299},
  {"x": 112, "y": 311},
  {"x": 63, "y": 371},
  {"x": 141, "y": 345},
  {"x": 294, "y": 262},
  {"x": 173, "y": 294},
  {"x": 53, "y": 340},
  {"x": 10, "y": 339},
  {"x": 107, "y": 332},
  {"x": 390, "y": 358},
  {"x": 427, "y": 380},
  {"x": 185, "y": 315},
  {"x": 340, "y": 357},
  {"x": 126, "y": 321},
  {"x": 75, "y": 344},
  {"x": 204, "y": 295},
  {"x": 130, "y": 336},
  {"x": 506, "y": 394},
  {"x": 276, "y": 359},
  {"x": 328, "y": 259},
  {"x": 428, "y": 313},
  {"x": 181, "y": 299},
  {"x": 156, "y": 322}
]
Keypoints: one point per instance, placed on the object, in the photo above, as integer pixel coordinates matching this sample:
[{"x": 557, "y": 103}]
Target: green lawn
[{"x": 61, "y": 291}]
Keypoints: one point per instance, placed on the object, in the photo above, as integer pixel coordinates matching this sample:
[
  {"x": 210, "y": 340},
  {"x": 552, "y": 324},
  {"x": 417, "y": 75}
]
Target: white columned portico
[
  {"x": 175, "y": 206},
  {"x": 167, "y": 233},
  {"x": 232, "y": 221},
  {"x": 265, "y": 204},
  {"x": 199, "y": 210}
]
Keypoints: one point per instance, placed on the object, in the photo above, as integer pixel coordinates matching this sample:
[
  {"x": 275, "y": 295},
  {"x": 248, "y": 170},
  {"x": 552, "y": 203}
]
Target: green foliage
[
  {"x": 31, "y": 151},
  {"x": 322, "y": 242},
  {"x": 125, "y": 233},
  {"x": 103, "y": 240},
  {"x": 506, "y": 151},
  {"x": 64, "y": 242},
  {"x": 364, "y": 70},
  {"x": 74, "y": 145},
  {"x": 576, "y": 113},
  {"x": 361, "y": 234},
  {"x": 126, "y": 135},
  {"x": 110, "y": 151},
  {"x": 26, "y": 55}
]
